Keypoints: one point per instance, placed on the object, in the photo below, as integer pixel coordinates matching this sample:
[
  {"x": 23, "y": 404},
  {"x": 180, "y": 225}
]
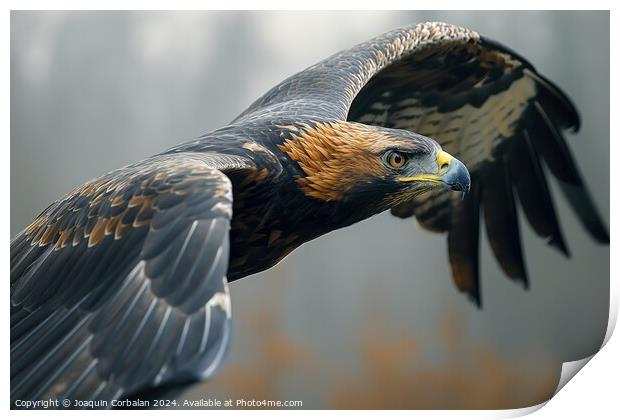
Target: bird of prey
[{"x": 121, "y": 286}]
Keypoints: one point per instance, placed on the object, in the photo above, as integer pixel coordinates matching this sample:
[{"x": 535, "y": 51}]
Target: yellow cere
[{"x": 443, "y": 160}]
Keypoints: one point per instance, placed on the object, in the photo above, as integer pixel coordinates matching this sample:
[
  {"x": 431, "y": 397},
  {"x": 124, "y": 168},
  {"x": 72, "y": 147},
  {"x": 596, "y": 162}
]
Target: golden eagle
[{"x": 121, "y": 286}]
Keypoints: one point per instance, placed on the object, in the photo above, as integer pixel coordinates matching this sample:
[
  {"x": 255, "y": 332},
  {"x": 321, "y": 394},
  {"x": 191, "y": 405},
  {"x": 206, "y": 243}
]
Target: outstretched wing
[
  {"x": 121, "y": 285},
  {"x": 485, "y": 105}
]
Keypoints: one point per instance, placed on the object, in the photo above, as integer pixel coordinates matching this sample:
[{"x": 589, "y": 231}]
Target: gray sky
[{"x": 92, "y": 91}]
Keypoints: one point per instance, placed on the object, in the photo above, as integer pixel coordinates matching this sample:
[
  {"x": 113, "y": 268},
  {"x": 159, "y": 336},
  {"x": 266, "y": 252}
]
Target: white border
[{"x": 593, "y": 394}]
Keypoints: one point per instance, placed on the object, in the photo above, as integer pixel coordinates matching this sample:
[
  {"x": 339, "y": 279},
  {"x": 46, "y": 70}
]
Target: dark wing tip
[
  {"x": 476, "y": 298},
  {"x": 583, "y": 205},
  {"x": 560, "y": 245}
]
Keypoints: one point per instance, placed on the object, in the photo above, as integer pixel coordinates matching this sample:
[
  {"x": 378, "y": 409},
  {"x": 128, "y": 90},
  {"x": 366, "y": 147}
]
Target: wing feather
[
  {"x": 463, "y": 244},
  {"x": 533, "y": 191},
  {"x": 135, "y": 272},
  {"x": 500, "y": 216},
  {"x": 477, "y": 98}
]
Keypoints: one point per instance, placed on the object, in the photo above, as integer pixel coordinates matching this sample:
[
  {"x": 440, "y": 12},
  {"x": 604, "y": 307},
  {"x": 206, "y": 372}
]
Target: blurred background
[{"x": 364, "y": 317}]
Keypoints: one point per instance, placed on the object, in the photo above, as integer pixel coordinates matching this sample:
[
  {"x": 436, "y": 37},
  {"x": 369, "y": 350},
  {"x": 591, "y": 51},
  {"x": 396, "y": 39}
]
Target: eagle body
[
  {"x": 121, "y": 286},
  {"x": 272, "y": 214}
]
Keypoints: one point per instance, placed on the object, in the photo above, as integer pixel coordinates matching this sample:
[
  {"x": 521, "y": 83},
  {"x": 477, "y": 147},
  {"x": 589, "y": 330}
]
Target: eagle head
[{"x": 370, "y": 166}]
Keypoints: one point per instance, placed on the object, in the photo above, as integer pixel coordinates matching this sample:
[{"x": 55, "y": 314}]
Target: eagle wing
[
  {"x": 121, "y": 285},
  {"x": 484, "y": 104}
]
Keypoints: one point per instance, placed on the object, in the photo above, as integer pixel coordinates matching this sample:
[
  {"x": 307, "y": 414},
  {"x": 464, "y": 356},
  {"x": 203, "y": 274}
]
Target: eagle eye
[{"x": 396, "y": 159}]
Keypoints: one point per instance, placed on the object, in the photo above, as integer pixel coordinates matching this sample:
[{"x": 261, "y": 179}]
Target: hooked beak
[{"x": 452, "y": 173}]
